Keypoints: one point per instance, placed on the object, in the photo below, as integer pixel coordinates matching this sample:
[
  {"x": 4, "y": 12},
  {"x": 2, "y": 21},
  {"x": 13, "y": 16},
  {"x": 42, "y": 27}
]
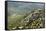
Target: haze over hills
[
  {"x": 25, "y": 15},
  {"x": 22, "y": 8}
]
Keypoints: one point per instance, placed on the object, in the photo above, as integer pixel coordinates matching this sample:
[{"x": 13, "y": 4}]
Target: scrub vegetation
[{"x": 23, "y": 17}]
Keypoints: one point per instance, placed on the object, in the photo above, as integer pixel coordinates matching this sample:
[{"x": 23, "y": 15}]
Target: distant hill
[{"x": 22, "y": 8}]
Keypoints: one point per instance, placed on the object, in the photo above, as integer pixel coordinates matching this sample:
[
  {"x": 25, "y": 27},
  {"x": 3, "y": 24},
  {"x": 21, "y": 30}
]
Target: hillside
[{"x": 32, "y": 20}]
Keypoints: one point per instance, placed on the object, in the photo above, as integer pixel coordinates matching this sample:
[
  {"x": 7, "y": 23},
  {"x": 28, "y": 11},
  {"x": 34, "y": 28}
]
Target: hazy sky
[{"x": 21, "y": 7}]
